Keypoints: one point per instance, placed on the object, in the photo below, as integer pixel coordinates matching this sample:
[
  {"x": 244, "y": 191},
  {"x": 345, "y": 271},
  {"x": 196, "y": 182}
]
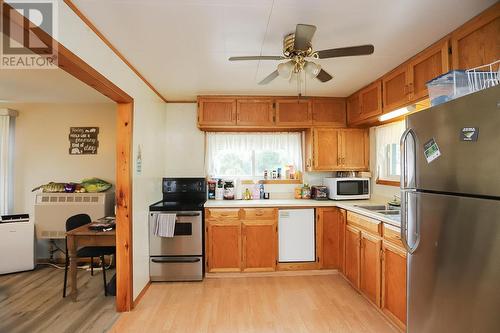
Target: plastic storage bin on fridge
[{"x": 448, "y": 86}]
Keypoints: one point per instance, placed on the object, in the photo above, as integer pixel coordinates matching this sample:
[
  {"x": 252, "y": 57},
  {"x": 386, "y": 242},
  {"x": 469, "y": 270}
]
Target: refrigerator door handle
[
  {"x": 406, "y": 164},
  {"x": 410, "y": 219}
]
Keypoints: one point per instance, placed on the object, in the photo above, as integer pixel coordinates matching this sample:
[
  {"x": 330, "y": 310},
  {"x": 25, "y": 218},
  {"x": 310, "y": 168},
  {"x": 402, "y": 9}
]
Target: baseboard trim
[
  {"x": 142, "y": 293},
  {"x": 271, "y": 274}
]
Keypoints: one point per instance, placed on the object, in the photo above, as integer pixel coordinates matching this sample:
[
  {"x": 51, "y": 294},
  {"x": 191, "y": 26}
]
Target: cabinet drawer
[
  {"x": 393, "y": 234},
  {"x": 259, "y": 213},
  {"x": 226, "y": 213},
  {"x": 365, "y": 223}
]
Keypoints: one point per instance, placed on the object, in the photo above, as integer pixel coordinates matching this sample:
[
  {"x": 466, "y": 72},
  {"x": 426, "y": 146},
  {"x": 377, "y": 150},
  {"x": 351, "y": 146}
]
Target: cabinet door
[
  {"x": 293, "y": 112},
  {"x": 216, "y": 111},
  {"x": 255, "y": 112},
  {"x": 395, "y": 89},
  {"x": 394, "y": 283},
  {"x": 354, "y": 149},
  {"x": 332, "y": 238},
  {"x": 370, "y": 267},
  {"x": 426, "y": 66},
  {"x": 326, "y": 150},
  {"x": 224, "y": 245},
  {"x": 477, "y": 42},
  {"x": 371, "y": 100},
  {"x": 352, "y": 252},
  {"x": 342, "y": 227},
  {"x": 259, "y": 245},
  {"x": 353, "y": 108},
  {"x": 329, "y": 112}
]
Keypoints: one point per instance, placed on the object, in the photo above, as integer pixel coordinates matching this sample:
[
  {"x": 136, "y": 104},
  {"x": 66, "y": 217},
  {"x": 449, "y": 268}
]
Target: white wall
[
  {"x": 380, "y": 191},
  {"x": 41, "y": 147},
  {"x": 185, "y": 143},
  {"x": 149, "y": 124},
  {"x": 41, "y": 150}
]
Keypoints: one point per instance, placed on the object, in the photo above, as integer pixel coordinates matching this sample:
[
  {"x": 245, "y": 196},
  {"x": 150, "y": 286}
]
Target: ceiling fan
[{"x": 297, "y": 47}]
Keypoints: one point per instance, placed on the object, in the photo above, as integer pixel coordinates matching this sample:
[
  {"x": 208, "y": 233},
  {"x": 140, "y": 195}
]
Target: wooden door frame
[{"x": 78, "y": 68}]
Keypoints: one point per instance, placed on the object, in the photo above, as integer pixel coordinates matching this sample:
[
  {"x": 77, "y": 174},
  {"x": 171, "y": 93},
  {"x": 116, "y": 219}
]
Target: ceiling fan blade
[
  {"x": 303, "y": 36},
  {"x": 270, "y": 77},
  {"x": 257, "y": 58},
  {"x": 346, "y": 51},
  {"x": 323, "y": 76}
]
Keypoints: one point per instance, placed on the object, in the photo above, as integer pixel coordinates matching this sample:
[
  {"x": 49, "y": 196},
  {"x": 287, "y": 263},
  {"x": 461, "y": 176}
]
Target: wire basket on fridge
[{"x": 483, "y": 77}]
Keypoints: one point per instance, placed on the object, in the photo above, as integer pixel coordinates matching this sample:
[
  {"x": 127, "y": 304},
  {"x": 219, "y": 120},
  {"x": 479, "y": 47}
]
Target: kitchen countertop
[{"x": 350, "y": 205}]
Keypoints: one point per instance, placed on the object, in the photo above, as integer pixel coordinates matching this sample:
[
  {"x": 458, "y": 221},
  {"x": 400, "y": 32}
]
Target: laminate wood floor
[
  {"x": 32, "y": 302},
  {"x": 324, "y": 303}
]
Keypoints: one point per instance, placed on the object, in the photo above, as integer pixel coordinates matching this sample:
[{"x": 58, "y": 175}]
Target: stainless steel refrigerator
[{"x": 450, "y": 191}]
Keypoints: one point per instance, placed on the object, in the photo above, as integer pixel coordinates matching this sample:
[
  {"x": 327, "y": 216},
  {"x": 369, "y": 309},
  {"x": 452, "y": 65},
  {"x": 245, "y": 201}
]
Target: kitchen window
[
  {"x": 388, "y": 151},
  {"x": 7, "y": 122},
  {"x": 250, "y": 154}
]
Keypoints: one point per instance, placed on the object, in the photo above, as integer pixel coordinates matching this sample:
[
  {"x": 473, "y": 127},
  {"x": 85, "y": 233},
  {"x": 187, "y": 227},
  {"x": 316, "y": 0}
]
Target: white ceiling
[
  {"x": 45, "y": 86},
  {"x": 182, "y": 47}
]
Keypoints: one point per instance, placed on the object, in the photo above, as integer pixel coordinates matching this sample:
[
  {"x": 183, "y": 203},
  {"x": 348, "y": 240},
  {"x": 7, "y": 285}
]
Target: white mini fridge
[
  {"x": 17, "y": 244},
  {"x": 296, "y": 235}
]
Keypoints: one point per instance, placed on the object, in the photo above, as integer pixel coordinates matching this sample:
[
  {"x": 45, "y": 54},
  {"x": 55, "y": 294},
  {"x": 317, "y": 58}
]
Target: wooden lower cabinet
[
  {"x": 375, "y": 264},
  {"x": 393, "y": 301},
  {"x": 224, "y": 245},
  {"x": 259, "y": 245},
  {"x": 370, "y": 256},
  {"x": 241, "y": 239},
  {"x": 352, "y": 252},
  {"x": 331, "y": 237}
]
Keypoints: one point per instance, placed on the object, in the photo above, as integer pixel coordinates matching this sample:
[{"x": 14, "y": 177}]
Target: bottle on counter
[
  {"x": 306, "y": 192},
  {"x": 228, "y": 190},
  {"x": 266, "y": 174},
  {"x": 247, "y": 195},
  {"x": 274, "y": 174},
  {"x": 298, "y": 192},
  {"x": 278, "y": 174}
]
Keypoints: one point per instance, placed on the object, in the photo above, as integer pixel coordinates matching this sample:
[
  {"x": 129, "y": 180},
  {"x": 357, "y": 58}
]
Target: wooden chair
[{"x": 86, "y": 252}]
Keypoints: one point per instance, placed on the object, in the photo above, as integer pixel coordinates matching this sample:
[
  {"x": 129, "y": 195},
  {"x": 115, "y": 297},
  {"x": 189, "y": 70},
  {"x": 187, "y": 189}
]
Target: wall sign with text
[{"x": 83, "y": 140}]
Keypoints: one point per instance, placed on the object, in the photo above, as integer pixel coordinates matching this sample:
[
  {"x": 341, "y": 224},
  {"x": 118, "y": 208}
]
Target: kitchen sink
[
  {"x": 389, "y": 212},
  {"x": 378, "y": 207}
]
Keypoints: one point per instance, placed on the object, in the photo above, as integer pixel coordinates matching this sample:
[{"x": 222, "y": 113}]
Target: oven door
[{"x": 187, "y": 238}]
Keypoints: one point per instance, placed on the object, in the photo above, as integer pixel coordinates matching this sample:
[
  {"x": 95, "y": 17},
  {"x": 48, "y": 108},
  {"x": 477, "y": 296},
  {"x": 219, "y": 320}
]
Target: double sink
[{"x": 392, "y": 212}]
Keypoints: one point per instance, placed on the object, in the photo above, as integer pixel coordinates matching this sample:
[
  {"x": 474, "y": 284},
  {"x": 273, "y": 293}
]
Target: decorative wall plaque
[{"x": 83, "y": 140}]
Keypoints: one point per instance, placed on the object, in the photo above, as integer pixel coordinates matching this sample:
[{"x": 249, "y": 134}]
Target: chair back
[{"x": 76, "y": 221}]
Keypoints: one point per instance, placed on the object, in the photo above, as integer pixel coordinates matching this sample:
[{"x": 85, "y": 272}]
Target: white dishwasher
[{"x": 296, "y": 235}]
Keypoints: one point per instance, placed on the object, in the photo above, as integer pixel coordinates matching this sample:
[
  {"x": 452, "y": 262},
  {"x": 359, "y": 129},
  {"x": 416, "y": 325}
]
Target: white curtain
[
  {"x": 386, "y": 136},
  {"x": 291, "y": 143},
  {"x": 4, "y": 163}
]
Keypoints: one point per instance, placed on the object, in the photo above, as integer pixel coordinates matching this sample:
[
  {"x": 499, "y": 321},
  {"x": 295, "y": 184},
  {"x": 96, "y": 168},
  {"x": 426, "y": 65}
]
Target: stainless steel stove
[{"x": 179, "y": 258}]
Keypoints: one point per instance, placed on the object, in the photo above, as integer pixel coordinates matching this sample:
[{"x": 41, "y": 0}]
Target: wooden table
[{"x": 80, "y": 237}]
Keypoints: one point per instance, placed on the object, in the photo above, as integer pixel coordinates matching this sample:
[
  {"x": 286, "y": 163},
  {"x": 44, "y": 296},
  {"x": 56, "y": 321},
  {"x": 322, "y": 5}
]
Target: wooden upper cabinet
[
  {"x": 255, "y": 112},
  {"x": 370, "y": 273},
  {"x": 293, "y": 112},
  {"x": 371, "y": 100},
  {"x": 355, "y": 147},
  {"x": 395, "y": 88},
  {"x": 329, "y": 112},
  {"x": 224, "y": 245},
  {"x": 331, "y": 222},
  {"x": 477, "y": 42},
  {"x": 326, "y": 149},
  {"x": 260, "y": 249},
  {"x": 352, "y": 255},
  {"x": 427, "y": 65},
  {"x": 217, "y": 111},
  {"x": 394, "y": 283},
  {"x": 353, "y": 108}
]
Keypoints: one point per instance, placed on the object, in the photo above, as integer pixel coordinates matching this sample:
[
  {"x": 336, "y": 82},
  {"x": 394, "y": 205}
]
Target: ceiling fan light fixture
[
  {"x": 285, "y": 69},
  {"x": 312, "y": 69}
]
